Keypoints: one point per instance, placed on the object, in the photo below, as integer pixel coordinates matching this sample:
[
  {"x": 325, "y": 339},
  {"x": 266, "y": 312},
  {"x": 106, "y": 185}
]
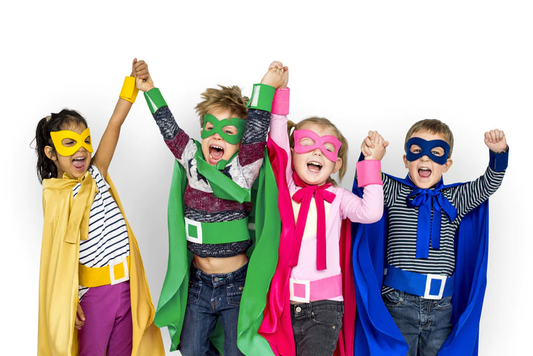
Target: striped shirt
[
  {"x": 402, "y": 229},
  {"x": 108, "y": 235}
]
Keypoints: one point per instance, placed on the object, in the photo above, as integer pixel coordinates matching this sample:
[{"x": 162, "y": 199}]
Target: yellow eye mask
[{"x": 73, "y": 143}]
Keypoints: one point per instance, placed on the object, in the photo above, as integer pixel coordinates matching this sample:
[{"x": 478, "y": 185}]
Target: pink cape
[{"x": 276, "y": 326}]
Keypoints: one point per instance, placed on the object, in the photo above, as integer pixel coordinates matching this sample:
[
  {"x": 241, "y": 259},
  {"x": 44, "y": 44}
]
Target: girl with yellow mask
[{"x": 93, "y": 293}]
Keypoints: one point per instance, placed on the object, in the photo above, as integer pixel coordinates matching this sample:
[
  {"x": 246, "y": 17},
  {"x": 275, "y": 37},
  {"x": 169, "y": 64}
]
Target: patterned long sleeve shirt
[{"x": 200, "y": 203}]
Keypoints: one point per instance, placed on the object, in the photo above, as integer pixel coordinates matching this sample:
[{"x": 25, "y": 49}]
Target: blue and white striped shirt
[{"x": 108, "y": 235}]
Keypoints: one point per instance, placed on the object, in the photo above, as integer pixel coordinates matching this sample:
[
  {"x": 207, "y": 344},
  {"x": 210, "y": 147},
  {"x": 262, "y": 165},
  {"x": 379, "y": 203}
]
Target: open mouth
[
  {"x": 424, "y": 172},
  {"x": 79, "y": 163},
  {"x": 216, "y": 152},
  {"x": 314, "y": 167}
]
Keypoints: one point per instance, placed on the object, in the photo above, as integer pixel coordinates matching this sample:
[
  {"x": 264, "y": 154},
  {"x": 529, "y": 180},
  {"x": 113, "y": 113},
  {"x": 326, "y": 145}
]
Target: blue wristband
[{"x": 498, "y": 161}]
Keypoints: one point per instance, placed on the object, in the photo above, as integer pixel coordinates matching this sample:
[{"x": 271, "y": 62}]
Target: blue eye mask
[{"x": 425, "y": 149}]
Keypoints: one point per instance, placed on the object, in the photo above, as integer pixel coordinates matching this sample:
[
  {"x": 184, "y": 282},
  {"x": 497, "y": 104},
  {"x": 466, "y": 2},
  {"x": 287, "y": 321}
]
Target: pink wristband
[
  {"x": 280, "y": 104},
  {"x": 369, "y": 172}
]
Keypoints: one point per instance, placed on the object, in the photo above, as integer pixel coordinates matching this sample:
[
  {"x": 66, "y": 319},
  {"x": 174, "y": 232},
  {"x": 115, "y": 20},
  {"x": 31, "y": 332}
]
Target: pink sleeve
[
  {"x": 367, "y": 210},
  {"x": 369, "y": 172},
  {"x": 280, "y": 104},
  {"x": 278, "y": 134}
]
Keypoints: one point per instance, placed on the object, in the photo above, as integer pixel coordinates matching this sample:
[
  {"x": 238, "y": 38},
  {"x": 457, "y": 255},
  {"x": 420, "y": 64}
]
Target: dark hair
[{"x": 56, "y": 122}]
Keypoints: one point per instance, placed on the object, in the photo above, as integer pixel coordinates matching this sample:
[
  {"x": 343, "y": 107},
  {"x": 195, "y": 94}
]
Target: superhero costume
[
  {"x": 376, "y": 332},
  {"x": 262, "y": 262},
  {"x": 65, "y": 223},
  {"x": 277, "y": 325}
]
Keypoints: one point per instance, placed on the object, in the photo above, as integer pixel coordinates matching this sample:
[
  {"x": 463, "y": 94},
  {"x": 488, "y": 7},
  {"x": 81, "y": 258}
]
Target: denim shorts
[
  {"x": 212, "y": 298},
  {"x": 425, "y": 323},
  {"x": 316, "y": 327}
]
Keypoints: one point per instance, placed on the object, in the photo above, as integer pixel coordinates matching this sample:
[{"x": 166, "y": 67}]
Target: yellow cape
[{"x": 66, "y": 220}]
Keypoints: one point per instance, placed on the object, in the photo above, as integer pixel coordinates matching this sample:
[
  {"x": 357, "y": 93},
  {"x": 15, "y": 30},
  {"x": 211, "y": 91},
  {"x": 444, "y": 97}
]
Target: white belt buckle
[
  {"x": 198, "y": 239},
  {"x": 307, "y": 286},
  {"x": 430, "y": 278},
  {"x": 115, "y": 262}
]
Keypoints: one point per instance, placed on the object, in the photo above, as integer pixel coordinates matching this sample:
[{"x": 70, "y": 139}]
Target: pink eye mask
[{"x": 318, "y": 142}]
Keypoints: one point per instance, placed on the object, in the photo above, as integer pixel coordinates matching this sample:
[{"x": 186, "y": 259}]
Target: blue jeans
[
  {"x": 212, "y": 297},
  {"x": 316, "y": 327},
  {"x": 425, "y": 324}
]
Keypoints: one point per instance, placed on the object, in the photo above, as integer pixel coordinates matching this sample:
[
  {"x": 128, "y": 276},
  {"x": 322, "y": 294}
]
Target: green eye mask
[{"x": 219, "y": 125}]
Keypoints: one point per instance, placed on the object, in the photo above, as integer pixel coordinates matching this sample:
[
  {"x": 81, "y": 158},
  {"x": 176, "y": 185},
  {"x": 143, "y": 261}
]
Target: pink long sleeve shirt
[{"x": 346, "y": 205}]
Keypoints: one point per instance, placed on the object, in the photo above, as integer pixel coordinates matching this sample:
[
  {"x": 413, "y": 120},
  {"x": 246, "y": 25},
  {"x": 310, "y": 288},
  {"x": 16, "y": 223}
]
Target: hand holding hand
[
  {"x": 496, "y": 141},
  {"x": 143, "y": 80},
  {"x": 374, "y": 146},
  {"x": 277, "y": 75},
  {"x": 80, "y": 318}
]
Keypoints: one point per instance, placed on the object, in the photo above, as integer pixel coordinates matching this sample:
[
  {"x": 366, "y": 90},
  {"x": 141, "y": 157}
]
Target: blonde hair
[
  {"x": 433, "y": 126},
  {"x": 343, "y": 151},
  {"x": 227, "y": 98}
]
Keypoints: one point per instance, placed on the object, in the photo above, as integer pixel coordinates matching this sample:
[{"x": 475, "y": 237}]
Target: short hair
[
  {"x": 343, "y": 151},
  {"x": 227, "y": 98},
  {"x": 433, "y": 126}
]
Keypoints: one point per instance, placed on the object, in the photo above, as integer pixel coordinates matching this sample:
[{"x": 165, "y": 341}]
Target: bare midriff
[{"x": 214, "y": 265}]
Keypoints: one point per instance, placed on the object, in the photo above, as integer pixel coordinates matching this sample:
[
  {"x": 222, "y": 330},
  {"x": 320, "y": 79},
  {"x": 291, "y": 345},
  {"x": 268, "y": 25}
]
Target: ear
[
  {"x": 50, "y": 153},
  {"x": 405, "y": 161},
  {"x": 447, "y": 165},
  {"x": 338, "y": 165}
]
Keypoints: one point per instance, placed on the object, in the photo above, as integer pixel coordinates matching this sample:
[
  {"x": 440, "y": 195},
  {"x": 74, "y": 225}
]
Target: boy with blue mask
[
  {"x": 429, "y": 253},
  {"x": 209, "y": 206}
]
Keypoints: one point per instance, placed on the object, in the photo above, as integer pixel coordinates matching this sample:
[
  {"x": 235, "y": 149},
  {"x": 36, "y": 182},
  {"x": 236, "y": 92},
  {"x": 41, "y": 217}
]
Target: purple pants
[{"x": 108, "y": 327}]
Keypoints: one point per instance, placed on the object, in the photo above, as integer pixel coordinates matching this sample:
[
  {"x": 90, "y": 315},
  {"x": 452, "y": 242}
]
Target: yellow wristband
[{"x": 129, "y": 90}]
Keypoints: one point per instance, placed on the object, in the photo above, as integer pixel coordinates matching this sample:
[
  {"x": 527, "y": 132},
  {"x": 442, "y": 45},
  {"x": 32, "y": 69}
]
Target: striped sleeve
[
  {"x": 468, "y": 196},
  {"x": 391, "y": 190}
]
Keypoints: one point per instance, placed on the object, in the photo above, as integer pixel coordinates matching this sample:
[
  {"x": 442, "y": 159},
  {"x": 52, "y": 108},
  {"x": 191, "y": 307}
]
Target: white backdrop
[{"x": 365, "y": 65}]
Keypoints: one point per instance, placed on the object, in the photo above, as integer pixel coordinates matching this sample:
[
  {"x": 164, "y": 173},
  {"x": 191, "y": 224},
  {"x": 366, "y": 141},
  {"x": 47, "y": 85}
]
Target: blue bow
[{"x": 428, "y": 200}]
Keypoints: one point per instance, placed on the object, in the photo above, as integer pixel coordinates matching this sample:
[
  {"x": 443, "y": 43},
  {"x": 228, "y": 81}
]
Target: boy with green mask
[{"x": 220, "y": 171}]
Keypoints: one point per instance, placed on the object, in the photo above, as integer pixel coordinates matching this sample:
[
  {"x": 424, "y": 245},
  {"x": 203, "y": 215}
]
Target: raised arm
[
  {"x": 104, "y": 154},
  {"x": 251, "y": 152},
  {"x": 175, "y": 138},
  {"x": 468, "y": 196},
  {"x": 368, "y": 209}
]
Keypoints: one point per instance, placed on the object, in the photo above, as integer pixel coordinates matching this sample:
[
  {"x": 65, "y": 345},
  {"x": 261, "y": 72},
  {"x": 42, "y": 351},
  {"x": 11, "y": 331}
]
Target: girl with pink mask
[{"x": 311, "y": 303}]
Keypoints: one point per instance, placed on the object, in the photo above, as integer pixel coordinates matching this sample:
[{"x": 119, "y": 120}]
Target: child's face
[
  {"x": 76, "y": 164},
  {"x": 424, "y": 172},
  {"x": 214, "y": 147},
  {"x": 313, "y": 167}
]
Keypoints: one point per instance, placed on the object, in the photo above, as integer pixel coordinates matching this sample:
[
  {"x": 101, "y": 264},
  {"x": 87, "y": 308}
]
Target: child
[
  {"x": 93, "y": 290},
  {"x": 213, "y": 217},
  {"x": 435, "y": 280},
  {"x": 309, "y": 286}
]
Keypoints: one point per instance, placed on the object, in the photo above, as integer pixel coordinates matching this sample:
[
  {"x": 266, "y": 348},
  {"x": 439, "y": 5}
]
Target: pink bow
[{"x": 303, "y": 196}]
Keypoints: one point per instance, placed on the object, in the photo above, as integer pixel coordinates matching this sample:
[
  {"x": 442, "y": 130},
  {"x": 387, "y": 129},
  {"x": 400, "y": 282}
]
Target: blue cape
[{"x": 376, "y": 333}]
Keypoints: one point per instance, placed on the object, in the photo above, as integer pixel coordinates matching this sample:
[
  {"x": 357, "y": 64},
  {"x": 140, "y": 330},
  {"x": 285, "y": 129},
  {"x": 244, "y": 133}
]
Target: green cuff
[
  {"x": 262, "y": 96},
  {"x": 155, "y": 100}
]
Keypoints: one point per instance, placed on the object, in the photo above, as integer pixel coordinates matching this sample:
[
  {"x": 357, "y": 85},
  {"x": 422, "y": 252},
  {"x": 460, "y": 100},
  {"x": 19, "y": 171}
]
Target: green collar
[{"x": 223, "y": 186}]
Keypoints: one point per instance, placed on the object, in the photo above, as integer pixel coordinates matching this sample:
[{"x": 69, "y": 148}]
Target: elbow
[{"x": 375, "y": 215}]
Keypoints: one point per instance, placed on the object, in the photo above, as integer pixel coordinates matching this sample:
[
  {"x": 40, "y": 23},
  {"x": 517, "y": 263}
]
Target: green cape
[{"x": 263, "y": 257}]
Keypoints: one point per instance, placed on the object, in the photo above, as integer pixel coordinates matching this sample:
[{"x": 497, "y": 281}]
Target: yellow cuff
[{"x": 129, "y": 91}]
